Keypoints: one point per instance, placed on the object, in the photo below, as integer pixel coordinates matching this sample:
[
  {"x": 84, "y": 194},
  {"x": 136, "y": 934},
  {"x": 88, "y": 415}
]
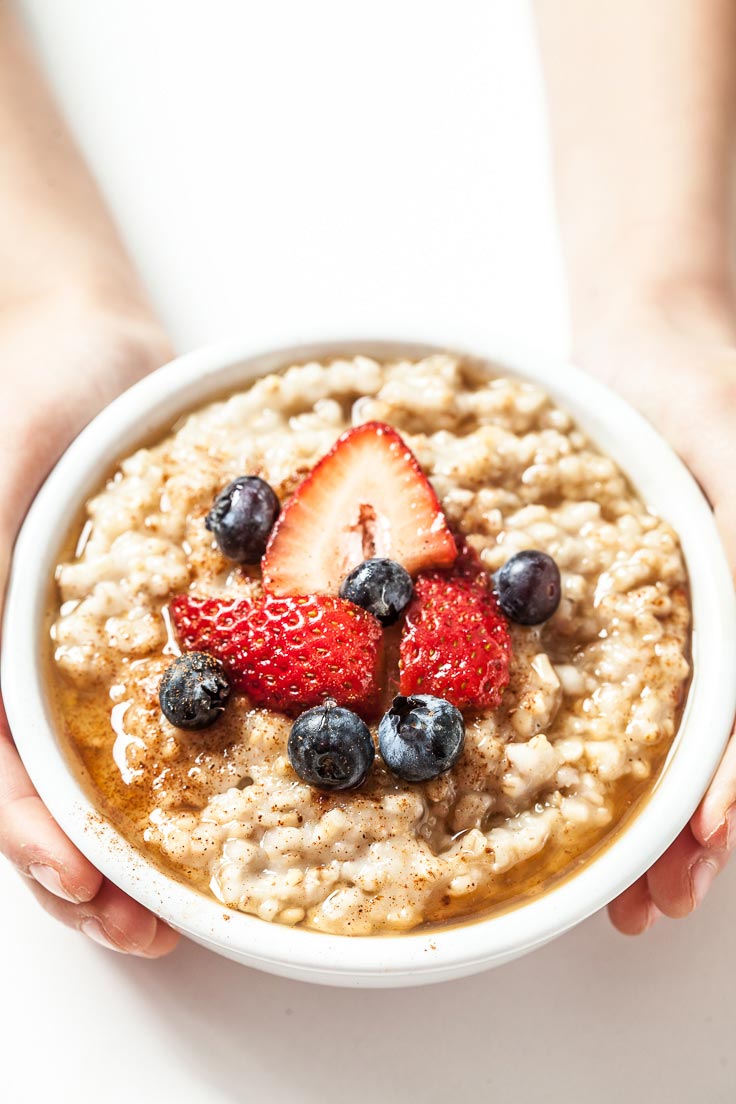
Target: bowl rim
[{"x": 622, "y": 433}]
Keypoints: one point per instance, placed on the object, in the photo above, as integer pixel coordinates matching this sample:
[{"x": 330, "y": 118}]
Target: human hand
[
  {"x": 675, "y": 359},
  {"x": 61, "y": 360}
]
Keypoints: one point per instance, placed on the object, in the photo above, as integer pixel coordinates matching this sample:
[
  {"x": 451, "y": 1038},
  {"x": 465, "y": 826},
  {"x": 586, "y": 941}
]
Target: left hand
[
  {"x": 676, "y": 362},
  {"x": 61, "y": 359}
]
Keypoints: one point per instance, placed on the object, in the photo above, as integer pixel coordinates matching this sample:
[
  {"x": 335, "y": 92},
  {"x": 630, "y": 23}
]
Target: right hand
[
  {"x": 678, "y": 366},
  {"x": 72, "y": 356}
]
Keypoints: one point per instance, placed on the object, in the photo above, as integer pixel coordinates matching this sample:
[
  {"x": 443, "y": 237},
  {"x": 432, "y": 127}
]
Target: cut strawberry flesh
[{"x": 366, "y": 497}]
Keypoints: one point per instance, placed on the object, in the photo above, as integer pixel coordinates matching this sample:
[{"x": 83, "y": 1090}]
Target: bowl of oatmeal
[{"x": 370, "y": 663}]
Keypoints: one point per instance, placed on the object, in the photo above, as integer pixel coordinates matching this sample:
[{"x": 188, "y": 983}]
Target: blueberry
[
  {"x": 331, "y": 748},
  {"x": 421, "y": 737},
  {"x": 242, "y": 517},
  {"x": 528, "y": 587},
  {"x": 194, "y": 690},
  {"x": 380, "y": 586}
]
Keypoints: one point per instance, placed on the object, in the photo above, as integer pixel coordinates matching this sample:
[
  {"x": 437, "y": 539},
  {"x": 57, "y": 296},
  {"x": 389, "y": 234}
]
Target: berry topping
[
  {"x": 331, "y": 748},
  {"x": 194, "y": 691},
  {"x": 421, "y": 737},
  {"x": 366, "y": 498},
  {"x": 528, "y": 587},
  {"x": 288, "y": 653},
  {"x": 242, "y": 517},
  {"x": 380, "y": 586},
  {"x": 455, "y": 642},
  {"x": 468, "y": 564}
]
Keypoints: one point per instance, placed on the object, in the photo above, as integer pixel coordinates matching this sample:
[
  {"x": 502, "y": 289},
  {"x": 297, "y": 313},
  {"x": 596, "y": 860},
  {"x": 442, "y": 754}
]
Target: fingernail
[
  {"x": 730, "y": 828},
  {"x": 50, "y": 880},
  {"x": 724, "y": 836},
  {"x": 701, "y": 878},
  {"x": 94, "y": 929}
]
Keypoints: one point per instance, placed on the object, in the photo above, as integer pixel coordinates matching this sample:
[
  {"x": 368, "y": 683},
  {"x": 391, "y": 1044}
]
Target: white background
[{"x": 377, "y": 168}]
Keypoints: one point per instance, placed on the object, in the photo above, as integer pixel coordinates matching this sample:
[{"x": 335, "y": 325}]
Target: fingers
[
  {"x": 714, "y": 823},
  {"x": 634, "y": 911},
  {"x": 675, "y": 885},
  {"x": 32, "y": 840},
  {"x": 680, "y": 879},
  {"x": 64, "y": 881},
  {"x": 113, "y": 920}
]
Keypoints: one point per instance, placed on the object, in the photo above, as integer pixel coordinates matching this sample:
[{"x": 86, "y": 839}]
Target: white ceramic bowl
[{"x": 152, "y": 406}]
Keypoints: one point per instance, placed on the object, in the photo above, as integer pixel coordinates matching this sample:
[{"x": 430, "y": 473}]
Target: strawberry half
[
  {"x": 456, "y": 642},
  {"x": 366, "y": 497},
  {"x": 288, "y": 653}
]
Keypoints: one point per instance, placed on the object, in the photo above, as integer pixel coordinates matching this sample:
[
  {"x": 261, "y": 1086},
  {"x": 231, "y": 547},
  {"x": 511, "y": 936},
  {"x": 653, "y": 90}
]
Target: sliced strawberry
[
  {"x": 288, "y": 653},
  {"x": 468, "y": 565},
  {"x": 456, "y": 642},
  {"x": 366, "y": 497}
]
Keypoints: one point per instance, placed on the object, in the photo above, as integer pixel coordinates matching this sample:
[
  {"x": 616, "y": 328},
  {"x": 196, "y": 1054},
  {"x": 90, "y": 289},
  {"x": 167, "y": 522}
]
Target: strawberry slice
[
  {"x": 288, "y": 653},
  {"x": 366, "y": 497},
  {"x": 456, "y": 643}
]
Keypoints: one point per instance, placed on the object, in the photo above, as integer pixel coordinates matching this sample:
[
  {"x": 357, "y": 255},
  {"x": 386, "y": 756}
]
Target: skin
[
  {"x": 642, "y": 102},
  {"x": 643, "y": 178},
  {"x": 75, "y": 328}
]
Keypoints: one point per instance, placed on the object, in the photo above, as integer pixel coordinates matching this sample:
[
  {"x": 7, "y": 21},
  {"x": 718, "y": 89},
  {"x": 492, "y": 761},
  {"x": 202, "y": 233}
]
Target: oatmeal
[{"x": 570, "y": 731}]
